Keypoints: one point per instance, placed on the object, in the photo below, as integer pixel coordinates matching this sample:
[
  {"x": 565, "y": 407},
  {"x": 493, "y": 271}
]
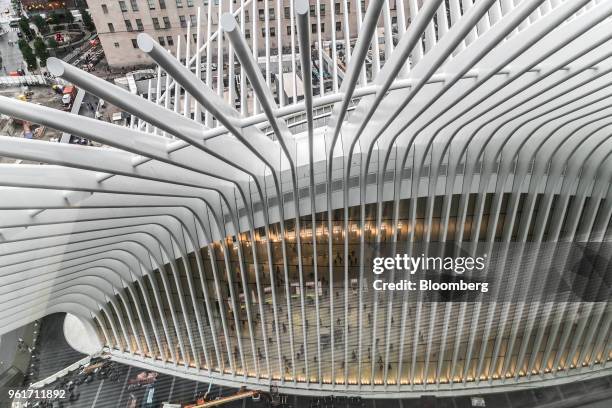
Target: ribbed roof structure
[{"x": 223, "y": 234}]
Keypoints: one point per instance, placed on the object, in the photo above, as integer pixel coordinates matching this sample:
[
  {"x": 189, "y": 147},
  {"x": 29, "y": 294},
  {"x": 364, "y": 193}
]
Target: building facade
[
  {"x": 265, "y": 24},
  {"x": 235, "y": 243}
]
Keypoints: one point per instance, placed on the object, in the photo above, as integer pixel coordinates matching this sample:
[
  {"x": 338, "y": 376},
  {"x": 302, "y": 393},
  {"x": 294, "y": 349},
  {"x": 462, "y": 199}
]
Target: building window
[
  {"x": 338, "y": 8},
  {"x": 272, "y": 31},
  {"x": 128, "y": 25},
  {"x": 189, "y": 3},
  {"x": 166, "y": 22},
  {"x": 247, "y": 33},
  {"x": 151, "y": 4},
  {"x": 156, "y": 23},
  {"x": 134, "y": 43},
  {"x": 322, "y": 27},
  {"x": 161, "y": 40},
  {"x": 162, "y": 4},
  {"x": 104, "y": 8},
  {"x": 139, "y": 25},
  {"x": 288, "y": 30},
  {"x": 322, "y": 9},
  {"x": 134, "y": 4},
  {"x": 246, "y": 16},
  {"x": 195, "y": 37},
  {"x": 271, "y": 14},
  {"x": 194, "y": 20},
  {"x": 263, "y": 32},
  {"x": 169, "y": 40},
  {"x": 116, "y": 45},
  {"x": 312, "y": 11},
  {"x": 111, "y": 27},
  {"x": 287, "y": 13},
  {"x": 183, "y": 21},
  {"x": 338, "y": 26},
  {"x": 123, "y": 6},
  {"x": 262, "y": 15},
  {"x": 313, "y": 28},
  {"x": 179, "y": 3}
]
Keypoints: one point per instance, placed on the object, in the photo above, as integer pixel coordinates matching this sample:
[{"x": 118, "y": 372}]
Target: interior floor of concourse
[{"x": 104, "y": 393}]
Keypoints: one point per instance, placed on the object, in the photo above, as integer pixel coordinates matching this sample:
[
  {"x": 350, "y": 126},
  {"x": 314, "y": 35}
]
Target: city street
[{"x": 11, "y": 56}]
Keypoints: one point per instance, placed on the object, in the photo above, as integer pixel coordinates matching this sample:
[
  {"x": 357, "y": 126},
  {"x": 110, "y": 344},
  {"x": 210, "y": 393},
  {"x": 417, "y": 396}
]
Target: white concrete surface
[{"x": 79, "y": 336}]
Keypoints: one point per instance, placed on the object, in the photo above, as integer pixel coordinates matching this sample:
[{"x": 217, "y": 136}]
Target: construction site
[{"x": 38, "y": 94}]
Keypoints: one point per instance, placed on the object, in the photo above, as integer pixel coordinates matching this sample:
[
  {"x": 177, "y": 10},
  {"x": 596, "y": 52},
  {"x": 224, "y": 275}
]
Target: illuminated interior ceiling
[{"x": 485, "y": 122}]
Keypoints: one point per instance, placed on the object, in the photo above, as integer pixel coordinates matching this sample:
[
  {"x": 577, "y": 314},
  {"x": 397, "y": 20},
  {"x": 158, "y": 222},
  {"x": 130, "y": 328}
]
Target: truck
[{"x": 68, "y": 94}]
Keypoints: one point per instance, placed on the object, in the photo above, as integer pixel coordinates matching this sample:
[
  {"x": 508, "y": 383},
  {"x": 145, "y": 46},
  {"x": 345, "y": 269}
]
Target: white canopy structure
[{"x": 229, "y": 245}]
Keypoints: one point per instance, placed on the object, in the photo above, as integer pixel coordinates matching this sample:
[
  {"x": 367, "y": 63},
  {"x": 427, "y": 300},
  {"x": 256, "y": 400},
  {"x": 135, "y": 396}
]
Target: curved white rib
[{"x": 201, "y": 245}]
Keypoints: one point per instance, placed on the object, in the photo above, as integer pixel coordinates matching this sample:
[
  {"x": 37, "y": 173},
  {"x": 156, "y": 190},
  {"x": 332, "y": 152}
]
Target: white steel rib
[{"x": 223, "y": 236}]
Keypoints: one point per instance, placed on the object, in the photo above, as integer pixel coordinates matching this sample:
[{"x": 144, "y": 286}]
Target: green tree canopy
[
  {"x": 22, "y": 44},
  {"x": 54, "y": 18},
  {"x": 28, "y": 55},
  {"x": 41, "y": 51},
  {"x": 40, "y": 23},
  {"x": 24, "y": 26},
  {"x": 52, "y": 43},
  {"x": 87, "y": 21}
]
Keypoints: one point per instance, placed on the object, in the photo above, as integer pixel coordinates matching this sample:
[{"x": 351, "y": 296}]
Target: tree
[
  {"x": 54, "y": 18},
  {"x": 87, "y": 21},
  {"x": 28, "y": 54},
  {"x": 41, "y": 24},
  {"x": 41, "y": 51},
  {"x": 22, "y": 44},
  {"x": 52, "y": 43},
  {"x": 24, "y": 26}
]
